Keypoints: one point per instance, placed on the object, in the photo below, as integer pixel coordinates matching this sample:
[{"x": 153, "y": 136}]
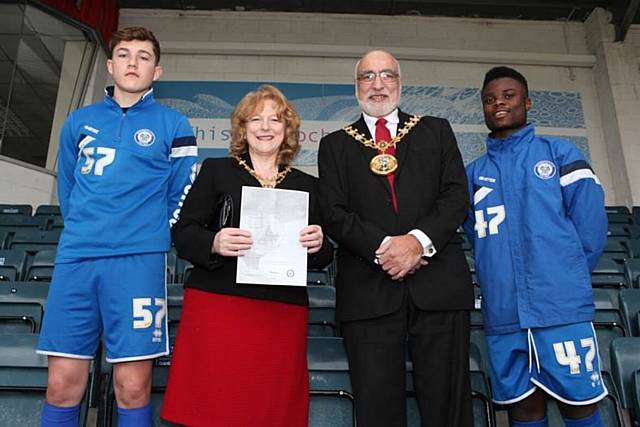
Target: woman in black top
[{"x": 240, "y": 354}]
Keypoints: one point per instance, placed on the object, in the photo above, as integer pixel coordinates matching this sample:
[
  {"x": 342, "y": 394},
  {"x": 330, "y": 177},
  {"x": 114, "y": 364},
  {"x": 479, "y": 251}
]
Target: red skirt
[{"x": 238, "y": 362}]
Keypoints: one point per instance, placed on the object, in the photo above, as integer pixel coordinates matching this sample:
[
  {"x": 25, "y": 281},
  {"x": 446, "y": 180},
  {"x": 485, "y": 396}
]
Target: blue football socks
[
  {"x": 57, "y": 416},
  {"x": 136, "y": 417}
]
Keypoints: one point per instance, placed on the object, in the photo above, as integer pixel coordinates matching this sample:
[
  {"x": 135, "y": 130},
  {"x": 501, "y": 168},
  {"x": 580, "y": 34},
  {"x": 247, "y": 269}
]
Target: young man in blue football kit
[
  {"x": 538, "y": 225},
  {"x": 124, "y": 167}
]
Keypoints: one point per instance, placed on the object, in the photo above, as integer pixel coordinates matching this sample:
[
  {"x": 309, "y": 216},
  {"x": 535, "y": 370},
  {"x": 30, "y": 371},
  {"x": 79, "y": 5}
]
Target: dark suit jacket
[
  {"x": 431, "y": 188},
  {"x": 193, "y": 235}
]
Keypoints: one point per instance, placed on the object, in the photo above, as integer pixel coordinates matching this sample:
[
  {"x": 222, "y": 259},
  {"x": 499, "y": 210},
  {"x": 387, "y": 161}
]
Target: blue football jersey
[{"x": 122, "y": 177}]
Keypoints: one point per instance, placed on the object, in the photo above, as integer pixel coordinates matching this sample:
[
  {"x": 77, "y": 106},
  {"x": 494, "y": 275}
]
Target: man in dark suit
[{"x": 393, "y": 192}]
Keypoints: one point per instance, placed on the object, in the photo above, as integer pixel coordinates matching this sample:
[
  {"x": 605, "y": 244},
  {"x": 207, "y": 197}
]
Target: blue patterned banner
[{"x": 327, "y": 107}]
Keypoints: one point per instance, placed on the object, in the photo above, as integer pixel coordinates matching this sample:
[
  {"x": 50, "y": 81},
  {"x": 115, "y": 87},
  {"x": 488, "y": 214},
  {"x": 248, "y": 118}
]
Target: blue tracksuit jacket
[
  {"x": 122, "y": 177},
  {"x": 538, "y": 226}
]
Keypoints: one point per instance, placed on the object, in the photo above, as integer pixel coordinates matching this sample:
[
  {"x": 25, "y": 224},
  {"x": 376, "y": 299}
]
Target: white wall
[
  {"x": 21, "y": 183},
  {"x": 296, "y": 47}
]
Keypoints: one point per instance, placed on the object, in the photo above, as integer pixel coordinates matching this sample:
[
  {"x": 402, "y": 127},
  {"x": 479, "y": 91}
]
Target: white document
[{"x": 275, "y": 218}]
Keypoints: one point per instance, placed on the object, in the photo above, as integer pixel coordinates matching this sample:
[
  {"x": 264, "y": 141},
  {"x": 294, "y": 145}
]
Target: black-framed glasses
[{"x": 387, "y": 76}]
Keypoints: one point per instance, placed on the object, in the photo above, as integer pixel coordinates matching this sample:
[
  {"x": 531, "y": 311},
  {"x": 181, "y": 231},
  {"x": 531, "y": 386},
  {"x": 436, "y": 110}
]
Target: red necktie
[{"x": 382, "y": 133}]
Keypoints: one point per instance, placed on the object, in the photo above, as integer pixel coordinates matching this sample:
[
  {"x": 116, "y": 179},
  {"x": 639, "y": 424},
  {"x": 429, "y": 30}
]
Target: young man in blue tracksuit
[
  {"x": 538, "y": 225},
  {"x": 124, "y": 167}
]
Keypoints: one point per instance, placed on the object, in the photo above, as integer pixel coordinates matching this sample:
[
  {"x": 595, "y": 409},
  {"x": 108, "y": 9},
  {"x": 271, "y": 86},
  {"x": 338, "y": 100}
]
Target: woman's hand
[
  {"x": 311, "y": 238},
  {"x": 231, "y": 242}
]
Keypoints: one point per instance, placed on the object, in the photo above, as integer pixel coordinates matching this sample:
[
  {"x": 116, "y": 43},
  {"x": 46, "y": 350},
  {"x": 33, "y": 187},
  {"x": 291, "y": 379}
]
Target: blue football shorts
[
  {"x": 564, "y": 361},
  {"x": 120, "y": 297}
]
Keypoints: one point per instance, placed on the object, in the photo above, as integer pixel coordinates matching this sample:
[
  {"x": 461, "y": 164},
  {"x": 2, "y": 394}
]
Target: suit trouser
[{"x": 438, "y": 342}]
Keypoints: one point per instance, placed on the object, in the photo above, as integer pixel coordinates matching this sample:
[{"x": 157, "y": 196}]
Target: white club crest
[
  {"x": 144, "y": 137},
  {"x": 544, "y": 169}
]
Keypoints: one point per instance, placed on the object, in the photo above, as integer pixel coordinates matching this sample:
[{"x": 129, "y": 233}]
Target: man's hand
[
  {"x": 417, "y": 267},
  {"x": 400, "y": 255}
]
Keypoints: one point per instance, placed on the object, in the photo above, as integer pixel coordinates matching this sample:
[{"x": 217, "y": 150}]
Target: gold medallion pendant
[{"x": 383, "y": 164}]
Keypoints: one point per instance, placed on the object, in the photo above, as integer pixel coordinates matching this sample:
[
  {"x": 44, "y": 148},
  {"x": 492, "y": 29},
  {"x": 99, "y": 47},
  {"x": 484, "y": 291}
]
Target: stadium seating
[
  {"x": 632, "y": 270},
  {"x": 620, "y": 230},
  {"x": 633, "y": 246},
  {"x": 617, "y": 209},
  {"x": 11, "y": 224},
  {"x": 174, "y": 312},
  {"x": 34, "y": 240},
  {"x": 617, "y": 248},
  {"x": 182, "y": 270},
  {"x": 471, "y": 263},
  {"x": 625, "y": 354},
  {"x": 331, "y": 402},
  {"x": 477, "y": 321},
  {"x": 175, "y": 291},
  {"x": 483, "y": 411},
  {"x": 48, "y": 210},
  {"x": 15, "y": 209},
  {"x": 608, "y": 273},
  {"x": 606, "y": 333},
  {"x": 636, "y": 215},
  {"x": 24, "y": 299},
  {"x": 12, "y": 264},
  {"x": 40, "y": 269},
  {"x": 608, "y": 314},
  {"x": 322, "y": 316},
  {"x": 56, "y": 223},
  {"x": 23, "y": 381},
  {"x": 630, "y": 307},
  {"x": 318, "y": 277},
  {"x": 620, "y": 217},
  {"x": 171, "y": 266},
  {"x": 20, "y": 317}
]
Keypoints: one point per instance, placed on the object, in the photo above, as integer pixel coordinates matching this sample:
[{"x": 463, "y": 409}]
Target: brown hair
[
  {"x": 134, "y": 33},
  {"x": 254, "y": 101}
]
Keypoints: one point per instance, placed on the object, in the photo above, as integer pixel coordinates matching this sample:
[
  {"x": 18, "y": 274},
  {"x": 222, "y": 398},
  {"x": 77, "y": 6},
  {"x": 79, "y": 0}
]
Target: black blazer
[
  {"x": 431, "y": 188},
  {"x": 193, "y": 239}
]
